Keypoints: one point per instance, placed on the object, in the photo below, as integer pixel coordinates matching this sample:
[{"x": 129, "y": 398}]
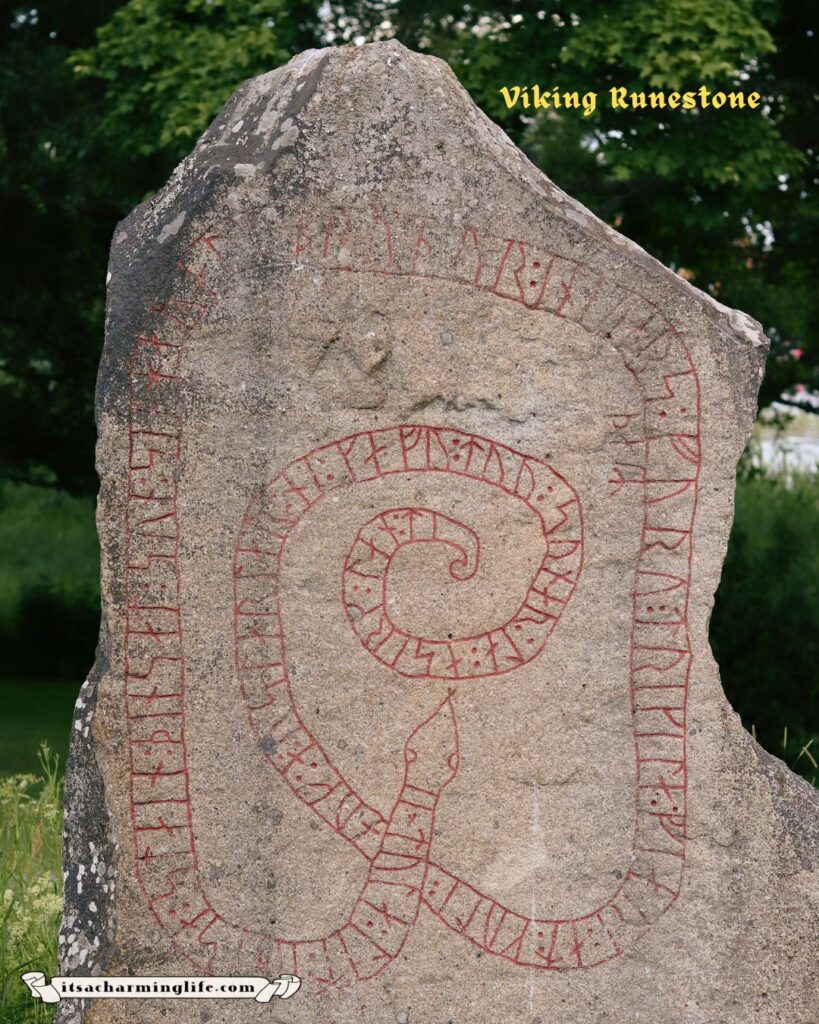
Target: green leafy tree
[
  {"x": 763, "y": 630},
  {"x": 169, "y": 65},
  {"x": 728, "y": 198},
  {"x": 81, "y": 142},
  {"x": 100, "y": 99},
  {"x": 56, "y": 224}
]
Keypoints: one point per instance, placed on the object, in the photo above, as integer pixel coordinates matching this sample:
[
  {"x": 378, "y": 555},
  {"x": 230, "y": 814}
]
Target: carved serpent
[
  {"x": 665, "y": 441},
  {"x": 384, "y": 911}
]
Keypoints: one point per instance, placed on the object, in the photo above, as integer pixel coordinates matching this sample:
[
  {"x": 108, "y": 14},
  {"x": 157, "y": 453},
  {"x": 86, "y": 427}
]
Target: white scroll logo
[
  {"x": 261, "y": 990},
  {"x": 40, "y": 988}
]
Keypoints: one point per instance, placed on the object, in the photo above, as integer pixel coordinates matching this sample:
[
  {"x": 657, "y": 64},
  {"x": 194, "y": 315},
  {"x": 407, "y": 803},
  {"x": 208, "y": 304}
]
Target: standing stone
[{"x": 416, "y": 483}]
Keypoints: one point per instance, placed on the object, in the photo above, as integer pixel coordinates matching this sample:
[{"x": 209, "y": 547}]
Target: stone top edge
[{"x": 290, "y": 88}]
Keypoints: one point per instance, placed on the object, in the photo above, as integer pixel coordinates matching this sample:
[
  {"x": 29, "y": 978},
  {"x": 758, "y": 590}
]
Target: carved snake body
[
  {"x": 402, "y": 875},
  {"x": 298, "y": 755}
]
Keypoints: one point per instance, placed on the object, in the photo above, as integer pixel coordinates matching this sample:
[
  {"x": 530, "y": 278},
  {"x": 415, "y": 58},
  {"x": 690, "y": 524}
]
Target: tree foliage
[
  {"x": 98, "y": 101},
  {"x": 79, "y": 147},
  {"x": 56, "y": 223},
  {"x": 169, "y": 65},
  {"x": 728, "y": 198}
]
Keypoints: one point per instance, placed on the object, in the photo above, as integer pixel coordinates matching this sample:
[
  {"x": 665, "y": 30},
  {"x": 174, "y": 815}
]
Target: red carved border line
[{"x": 662, "y": 447}]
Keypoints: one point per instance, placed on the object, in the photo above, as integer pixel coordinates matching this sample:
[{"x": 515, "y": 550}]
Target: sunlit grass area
[{"x": 30, "y": 885}]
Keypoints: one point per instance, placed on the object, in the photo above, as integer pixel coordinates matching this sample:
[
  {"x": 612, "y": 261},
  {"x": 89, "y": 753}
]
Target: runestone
[{"x": 416, "y": 484}]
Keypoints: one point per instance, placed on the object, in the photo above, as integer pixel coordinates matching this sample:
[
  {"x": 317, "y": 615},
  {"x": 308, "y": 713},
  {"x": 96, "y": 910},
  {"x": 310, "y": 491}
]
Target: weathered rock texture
[{"x": 416, "y": 485}]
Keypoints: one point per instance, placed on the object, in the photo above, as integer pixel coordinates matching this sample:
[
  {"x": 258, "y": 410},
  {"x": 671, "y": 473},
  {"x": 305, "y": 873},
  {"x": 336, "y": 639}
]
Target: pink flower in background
[{"x": 797, "y": 353}]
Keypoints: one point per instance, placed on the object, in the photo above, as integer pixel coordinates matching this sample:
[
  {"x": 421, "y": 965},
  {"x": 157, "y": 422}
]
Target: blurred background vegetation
[{"x": 100, "y": 99}]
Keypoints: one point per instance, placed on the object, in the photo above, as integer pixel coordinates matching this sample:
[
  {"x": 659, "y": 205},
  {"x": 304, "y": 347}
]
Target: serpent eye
[
  {"x": 453, "y": 761},
  {"x": 410, "y": 755}
]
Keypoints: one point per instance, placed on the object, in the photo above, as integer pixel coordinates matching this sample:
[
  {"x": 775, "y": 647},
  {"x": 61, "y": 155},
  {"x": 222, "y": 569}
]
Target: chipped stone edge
[
  {"x": 86, "y": 930},
  {"x": 292, "y": 84},
  {"x": 795, "y": 802}
]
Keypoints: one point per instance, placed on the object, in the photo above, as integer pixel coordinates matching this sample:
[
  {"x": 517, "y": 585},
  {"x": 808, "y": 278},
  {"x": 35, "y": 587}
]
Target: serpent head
[{"x": 431, "y": 751}]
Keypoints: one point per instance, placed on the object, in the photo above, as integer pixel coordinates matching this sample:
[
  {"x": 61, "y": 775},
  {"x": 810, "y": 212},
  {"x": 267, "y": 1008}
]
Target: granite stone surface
[{"x": 416, "y": 485}]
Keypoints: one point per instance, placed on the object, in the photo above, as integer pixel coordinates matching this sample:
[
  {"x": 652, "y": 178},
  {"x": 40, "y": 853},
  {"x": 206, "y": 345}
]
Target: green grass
[
  {"x": 30, "y": 886},
  {"x": 765, "y": 626},
  {"x": 31, "y": 709},
  {"x": 49, "y": 583},
  {"x": 799, "y": 757},
  {"x": 764, "y": 633}
]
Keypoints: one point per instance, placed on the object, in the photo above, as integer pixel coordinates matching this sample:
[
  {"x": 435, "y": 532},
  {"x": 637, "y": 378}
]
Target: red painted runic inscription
[{"x": 403, "y": 877}]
